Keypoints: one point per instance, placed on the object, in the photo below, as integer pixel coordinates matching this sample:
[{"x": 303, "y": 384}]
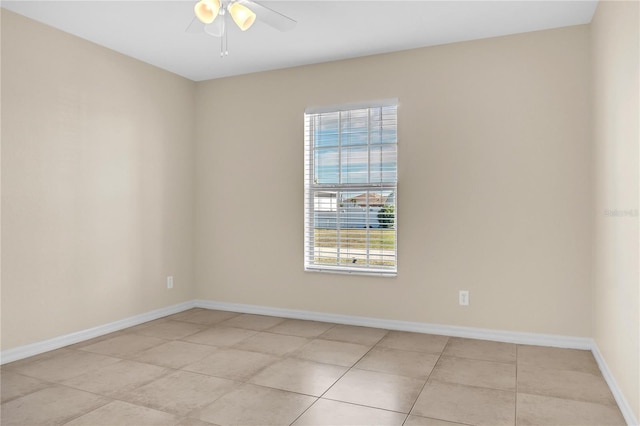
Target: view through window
[{"x": 351, "y": 188}]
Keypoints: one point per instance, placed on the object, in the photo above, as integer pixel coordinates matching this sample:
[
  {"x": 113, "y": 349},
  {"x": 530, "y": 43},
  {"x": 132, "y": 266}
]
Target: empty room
[{"x": 235, "y": 212}]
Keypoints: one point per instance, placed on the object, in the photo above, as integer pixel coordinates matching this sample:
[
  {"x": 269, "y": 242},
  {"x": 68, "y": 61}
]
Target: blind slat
[{"x": 350, "y": 171}]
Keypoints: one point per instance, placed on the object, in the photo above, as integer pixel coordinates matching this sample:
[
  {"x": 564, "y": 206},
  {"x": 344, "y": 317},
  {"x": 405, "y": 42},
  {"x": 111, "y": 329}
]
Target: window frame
[{"x": 311, "y": 188}]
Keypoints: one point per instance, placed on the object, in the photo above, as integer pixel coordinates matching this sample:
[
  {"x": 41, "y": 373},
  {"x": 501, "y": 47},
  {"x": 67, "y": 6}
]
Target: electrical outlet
[
  {"x": 463, "y": 298},
  {"x": 169, "y": 282}
]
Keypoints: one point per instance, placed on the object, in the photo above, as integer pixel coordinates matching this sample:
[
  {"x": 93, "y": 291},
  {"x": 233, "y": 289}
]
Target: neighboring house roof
[{"x": 375, "y": 200}]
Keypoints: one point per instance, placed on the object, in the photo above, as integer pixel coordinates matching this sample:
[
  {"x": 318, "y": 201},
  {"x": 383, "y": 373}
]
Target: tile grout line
[
  {"x": 282, "y": 358},
  {"x": 441, "y": 356},
  {"x": 427, "y": 380},
  {"x": 339, "y": 378}
]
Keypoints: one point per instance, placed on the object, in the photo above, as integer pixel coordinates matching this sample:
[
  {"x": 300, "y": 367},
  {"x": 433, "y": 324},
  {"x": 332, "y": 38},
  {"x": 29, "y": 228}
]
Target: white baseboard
[
  {"x": 624, "y": 406},
  {"x": 521, "y": 338},
  {"x": 418, "y": 327},
  {"x": 585, "y": 343},
  {"x": 32, "y": 349}
]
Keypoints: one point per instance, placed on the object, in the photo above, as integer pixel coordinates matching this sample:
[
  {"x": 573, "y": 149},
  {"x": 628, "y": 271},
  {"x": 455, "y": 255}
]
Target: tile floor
[{"x": 204, "y": 367}]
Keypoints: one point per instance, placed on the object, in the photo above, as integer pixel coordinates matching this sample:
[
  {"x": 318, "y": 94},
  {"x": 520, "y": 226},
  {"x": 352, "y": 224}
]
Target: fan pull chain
[
  {"x": 226, "y": 43},
  {"x": 224, "y": 40}
]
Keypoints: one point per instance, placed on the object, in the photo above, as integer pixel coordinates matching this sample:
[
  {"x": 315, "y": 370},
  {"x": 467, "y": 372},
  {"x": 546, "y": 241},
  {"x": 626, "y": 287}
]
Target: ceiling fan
[{"x": 211, "y": 18}]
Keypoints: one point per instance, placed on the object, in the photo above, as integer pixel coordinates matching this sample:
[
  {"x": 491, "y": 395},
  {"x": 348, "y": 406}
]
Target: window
[{"x": 350, "y": 188}]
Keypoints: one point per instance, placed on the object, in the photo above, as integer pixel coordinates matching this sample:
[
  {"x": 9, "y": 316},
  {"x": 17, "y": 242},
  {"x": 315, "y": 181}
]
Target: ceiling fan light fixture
[
  {"x": 207, "y": 10},
  {"x": 242, "y": 15}
]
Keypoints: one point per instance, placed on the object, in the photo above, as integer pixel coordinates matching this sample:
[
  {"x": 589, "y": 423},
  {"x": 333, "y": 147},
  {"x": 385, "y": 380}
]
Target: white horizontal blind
[{"x": 350, "y": 188}]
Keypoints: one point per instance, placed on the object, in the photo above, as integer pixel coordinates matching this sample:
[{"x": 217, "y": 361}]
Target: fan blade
[
  {"x": 216, "y": 28},
  {"x": 270, "y": 17},
  {"x": 195, "y": 27}
]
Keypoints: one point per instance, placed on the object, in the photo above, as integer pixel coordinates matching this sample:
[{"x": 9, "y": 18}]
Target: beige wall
[
  {"x": 97, "y": 184},
  {"x": 616, "y": 322},
  {"x": 494, "y": 189},
  {"x": 99, "y": 193}
]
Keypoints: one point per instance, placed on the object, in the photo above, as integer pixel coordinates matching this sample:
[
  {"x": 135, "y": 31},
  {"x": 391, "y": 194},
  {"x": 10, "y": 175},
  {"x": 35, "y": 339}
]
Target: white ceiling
[{"x": 327, "y": 30}]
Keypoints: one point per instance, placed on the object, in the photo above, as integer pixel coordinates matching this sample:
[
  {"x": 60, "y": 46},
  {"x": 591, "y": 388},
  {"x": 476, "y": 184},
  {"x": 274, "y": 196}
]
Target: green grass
[
  {"x": 348, "y": 261},
  {"x": 384, "y": 239},
  {"x": 356, "y": 238}
]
